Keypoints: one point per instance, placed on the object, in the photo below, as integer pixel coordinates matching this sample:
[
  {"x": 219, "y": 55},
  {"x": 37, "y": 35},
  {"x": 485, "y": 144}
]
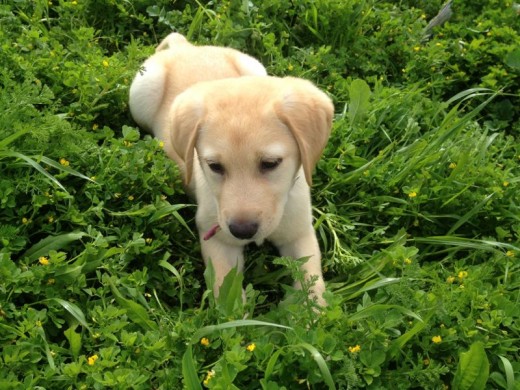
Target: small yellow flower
[
  {"x": 423, "y": 16},
  {"x": 426, "y": 362},
  {"x": 453, "y": 165},
  {"x": 117, "y": 195},
  {"x": 437, "y": 339},
  {"x": 51, "y": 281},
  {"x": 50, "y": 219},
  {"x": 64, "y": 162},
  {"x": 43, "y": 260},
  {"x": 450, "y": 279},
  {"x": 251, "y": 347},
  {"x": 161, "y": 144},
  {"x": 95, "y": 126},
  {"x": 105, "y": 63},
  {"x": 209, "y": 375},
  {"x": 462, "y": 274},
  {"x": 408, "y": 261},
  {"x": 131, "y": 197},
  {"x": 148, "y": 240},
  {"x": 74, "y": 2},
  {"x": 92, "y": 360},
  {"x": 354, "y": 349},
  {"x": 290, "y": 67},
  {"x": 39, "y": 323},
  {"x": 510, "y": 254},
  {"x": 505, "y": 183},
  {"x": 417, "y": 48},
  {"x": 204, "y": 341},
  {"x": 25, "y": 221},
  {"x": 412, "y": 194}
]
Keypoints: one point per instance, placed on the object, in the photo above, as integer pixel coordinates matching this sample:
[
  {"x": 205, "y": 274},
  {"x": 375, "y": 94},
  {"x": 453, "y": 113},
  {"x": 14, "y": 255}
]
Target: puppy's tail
[{"x": 171, "y": 40}]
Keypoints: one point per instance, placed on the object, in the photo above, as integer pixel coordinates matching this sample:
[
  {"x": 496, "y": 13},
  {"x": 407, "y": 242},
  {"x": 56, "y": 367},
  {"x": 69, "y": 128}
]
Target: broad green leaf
[
  {"x": 51, "y": 243},
  {"x": 74, "y": 341},
  {"x": 513, "y": 59},
  {"x": 136, "y": 312},
  {"x": 359, "y": 97},
  {"x": 473, "y": 369},
  {"x": 230, "y": 295}
]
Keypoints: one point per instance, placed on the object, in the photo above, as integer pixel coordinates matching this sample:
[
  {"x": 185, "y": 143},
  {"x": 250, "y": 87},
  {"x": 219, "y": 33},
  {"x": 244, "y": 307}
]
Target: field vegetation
[{"x": 416, "y": 203}]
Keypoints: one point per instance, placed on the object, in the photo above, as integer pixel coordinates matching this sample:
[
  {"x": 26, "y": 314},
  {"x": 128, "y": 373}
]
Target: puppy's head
[{"x": 251, "y": 137}]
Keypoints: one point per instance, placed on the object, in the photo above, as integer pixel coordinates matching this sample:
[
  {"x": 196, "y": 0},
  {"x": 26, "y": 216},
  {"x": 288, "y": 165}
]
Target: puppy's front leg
[
  {"x": 223, "y": 257},
  {"x": 306, "y": 245}
]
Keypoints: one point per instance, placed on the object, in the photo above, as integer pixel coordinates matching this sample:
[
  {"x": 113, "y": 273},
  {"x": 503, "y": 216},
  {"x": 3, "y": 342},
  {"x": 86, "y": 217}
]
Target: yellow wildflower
[
  {"x": 450, "y": 279},
  {"x": 204, "y": 341},
  {"x": 148, "y": 240},
  {"x": 161, "y": 144},
  {"x": 290, "y": 67},
  {"x": 453, "y": 165},
  {"x": 408, "y": 261},
  {"x": 251, "y": 347},
  {"x": 43, "y": 260},
  {"x": 354, "y": 349},
  {"x": 209, "y": 375},
  {"x": 417, "y": 48},
  {"x": 412, "y": 194},
  {"x": 25, "y": 221},
  {"x": 437, "y": 339},
  {"x": 505, "y": 183},
  {"x": 105, "y": 63},
  {"x": 51, "y": 281},
  {"x": 510, "y": 254},
  {"x": 50, "y": 219},
  {"x": 131, "y": 197},
  {"x": 92, "y": 360},
  {"x": 64, "y": 162},
  {"x": 462, "y": 275}
]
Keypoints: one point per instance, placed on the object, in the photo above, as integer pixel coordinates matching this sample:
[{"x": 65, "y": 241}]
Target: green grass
[{"x": 416, "y": 204}]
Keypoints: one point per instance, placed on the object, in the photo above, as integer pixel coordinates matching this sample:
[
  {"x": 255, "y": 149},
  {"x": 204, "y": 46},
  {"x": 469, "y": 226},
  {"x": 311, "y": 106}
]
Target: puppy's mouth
[{"x": 211, "y": 232}]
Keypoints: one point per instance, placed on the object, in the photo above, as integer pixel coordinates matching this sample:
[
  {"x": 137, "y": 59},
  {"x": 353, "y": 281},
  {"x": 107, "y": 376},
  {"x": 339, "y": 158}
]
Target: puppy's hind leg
[{"x": 146, "y": 94}]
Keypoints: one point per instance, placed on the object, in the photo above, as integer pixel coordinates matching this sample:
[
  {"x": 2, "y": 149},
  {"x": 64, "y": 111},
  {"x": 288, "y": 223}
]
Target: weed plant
[{"x": 416, "y": 203}]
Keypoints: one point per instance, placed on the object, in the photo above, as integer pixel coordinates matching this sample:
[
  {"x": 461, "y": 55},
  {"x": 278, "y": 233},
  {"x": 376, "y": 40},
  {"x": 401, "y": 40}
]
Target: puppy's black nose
[{"x": 243, "y": 230}]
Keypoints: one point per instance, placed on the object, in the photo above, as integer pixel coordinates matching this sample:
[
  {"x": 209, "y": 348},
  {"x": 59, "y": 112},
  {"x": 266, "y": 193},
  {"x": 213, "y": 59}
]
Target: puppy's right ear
[{"x": 186, "y": 117}]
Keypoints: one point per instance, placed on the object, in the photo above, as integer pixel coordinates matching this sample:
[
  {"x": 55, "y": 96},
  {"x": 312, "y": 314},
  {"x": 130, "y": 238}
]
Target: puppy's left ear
[{"x": 307, "y": 112}]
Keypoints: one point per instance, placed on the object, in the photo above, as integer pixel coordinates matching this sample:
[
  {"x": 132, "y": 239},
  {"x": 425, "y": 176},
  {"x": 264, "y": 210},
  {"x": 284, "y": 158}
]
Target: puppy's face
[
  {"x": 252, "y": 137},
  {"x": 250, "y": 163}
]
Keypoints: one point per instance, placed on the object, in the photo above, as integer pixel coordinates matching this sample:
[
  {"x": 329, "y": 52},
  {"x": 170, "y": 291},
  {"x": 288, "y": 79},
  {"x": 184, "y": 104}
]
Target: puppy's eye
[
  {"x": 270, "y": 165},
  {"x": 216, "y": 167}
]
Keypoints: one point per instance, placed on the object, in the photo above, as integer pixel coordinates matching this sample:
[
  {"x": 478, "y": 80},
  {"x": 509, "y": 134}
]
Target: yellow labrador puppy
[{"x": 246, "y": 145}]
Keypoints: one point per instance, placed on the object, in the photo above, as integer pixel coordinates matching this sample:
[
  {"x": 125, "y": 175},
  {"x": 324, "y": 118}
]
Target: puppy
[{"x": 246, "y": 145}]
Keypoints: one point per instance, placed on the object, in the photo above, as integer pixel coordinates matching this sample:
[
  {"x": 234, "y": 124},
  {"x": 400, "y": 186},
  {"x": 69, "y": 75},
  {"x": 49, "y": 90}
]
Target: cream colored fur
[{"x": 246, "y": 144}]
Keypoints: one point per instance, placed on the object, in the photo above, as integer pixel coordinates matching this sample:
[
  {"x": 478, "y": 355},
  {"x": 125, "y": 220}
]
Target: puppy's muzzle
[{"x": 243, "y": 230}]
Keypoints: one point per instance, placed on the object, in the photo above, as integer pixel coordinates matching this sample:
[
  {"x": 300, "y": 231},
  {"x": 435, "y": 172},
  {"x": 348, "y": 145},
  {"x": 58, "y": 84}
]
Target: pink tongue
[{"x": 211, "y": 232}]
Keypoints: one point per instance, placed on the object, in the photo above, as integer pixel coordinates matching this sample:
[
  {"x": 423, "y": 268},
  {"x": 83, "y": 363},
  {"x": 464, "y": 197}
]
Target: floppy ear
[
  {"x": 307, "y": 112},
  {"x": 186, "y": 116}
]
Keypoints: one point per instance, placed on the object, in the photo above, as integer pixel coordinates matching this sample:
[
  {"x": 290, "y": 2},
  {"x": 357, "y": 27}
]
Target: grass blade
[
  {"x": 51, "y": 243},
  {"x": 232, "y": 324},
  {"x": 191, "y": 379},
  {"x": 510, "y": 373},
  {"x": 318, "y": 358},
  {"x": 74, "y": 310}
]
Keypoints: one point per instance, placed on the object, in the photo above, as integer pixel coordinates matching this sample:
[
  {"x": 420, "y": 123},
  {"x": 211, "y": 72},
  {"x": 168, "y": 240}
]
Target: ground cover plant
[{"x": 417, "y": 203}]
